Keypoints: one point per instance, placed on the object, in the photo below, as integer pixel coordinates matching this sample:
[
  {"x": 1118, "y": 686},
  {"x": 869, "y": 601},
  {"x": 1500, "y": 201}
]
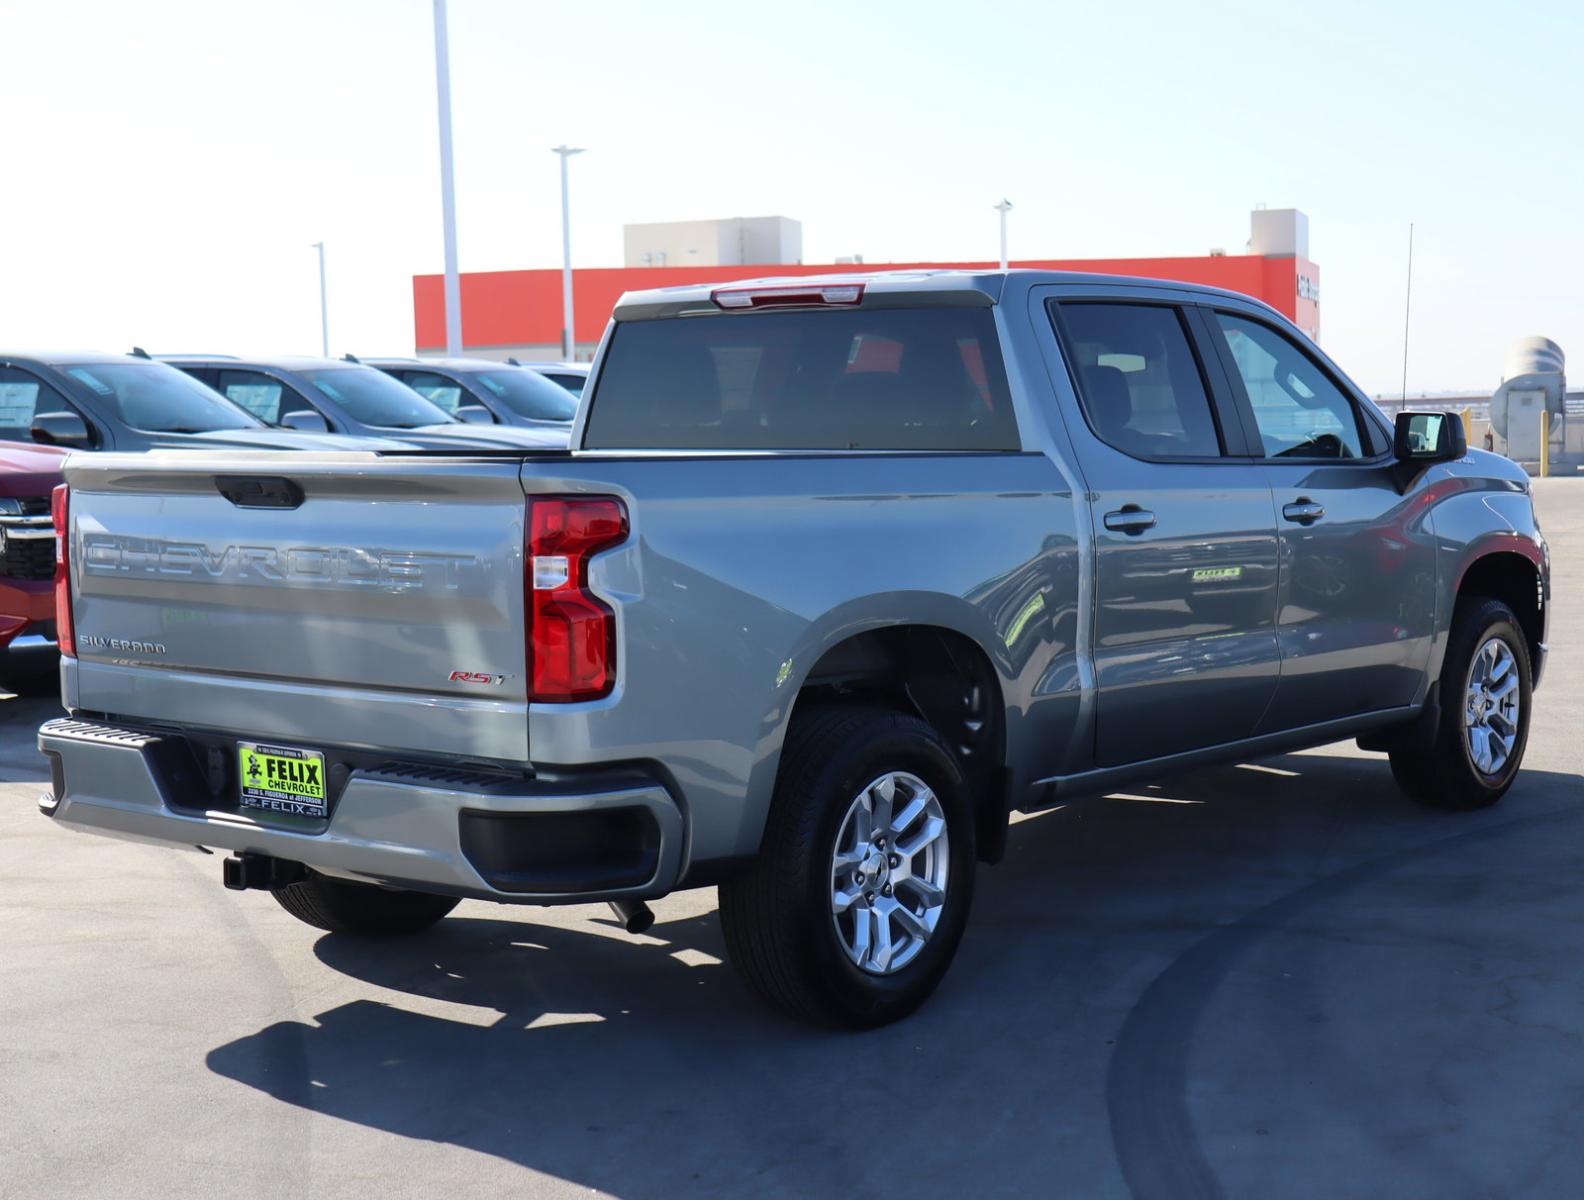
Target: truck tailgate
[{"x": 341, "y": 599}]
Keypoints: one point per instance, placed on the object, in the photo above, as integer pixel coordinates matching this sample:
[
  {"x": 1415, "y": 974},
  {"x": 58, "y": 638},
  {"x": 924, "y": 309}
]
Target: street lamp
[
  {"x": 324, "y": 304},
  {"x": 568, "y": 330},
  {"x": 453, "y": 285},
  {"x": 1003, "y": 208}
]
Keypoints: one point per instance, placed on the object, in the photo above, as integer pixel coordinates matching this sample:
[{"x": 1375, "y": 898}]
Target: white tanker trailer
[{"x": 1534, "y": 381}]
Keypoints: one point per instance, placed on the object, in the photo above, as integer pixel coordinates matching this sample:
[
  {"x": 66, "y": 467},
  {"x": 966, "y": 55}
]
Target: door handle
[
  {"x": 1130, "y": 518},
  {"x": 1305, "y": 511}
]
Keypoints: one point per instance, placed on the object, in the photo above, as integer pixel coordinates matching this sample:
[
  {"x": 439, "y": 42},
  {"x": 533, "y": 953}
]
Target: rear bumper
[{"x": 425, "y": 828}]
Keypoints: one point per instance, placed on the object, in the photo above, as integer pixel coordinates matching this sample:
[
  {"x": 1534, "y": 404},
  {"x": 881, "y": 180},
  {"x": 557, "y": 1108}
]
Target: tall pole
[
  {"x": 1407, "y": 309},
  {"x": 324, "y": 304},
  {"x": 453, "y": 285},
  {"x": 568, "y": 329},
  {"x": 1003, "y": 208}
]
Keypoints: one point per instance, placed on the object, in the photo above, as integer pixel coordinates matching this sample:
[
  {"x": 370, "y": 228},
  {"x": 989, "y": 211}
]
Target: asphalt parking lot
[{"x": 1275, "y": 979}]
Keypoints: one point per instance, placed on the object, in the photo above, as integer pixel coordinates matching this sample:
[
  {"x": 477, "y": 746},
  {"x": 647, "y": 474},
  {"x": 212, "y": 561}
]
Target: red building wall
[{"x": 523, "y": 308}]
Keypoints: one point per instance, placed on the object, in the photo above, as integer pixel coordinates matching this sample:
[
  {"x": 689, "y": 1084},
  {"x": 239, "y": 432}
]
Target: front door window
[{"x": 1299, "y": 411}]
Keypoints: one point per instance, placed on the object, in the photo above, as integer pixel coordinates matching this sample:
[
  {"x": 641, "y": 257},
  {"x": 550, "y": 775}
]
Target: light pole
[
  {"x": 1407, "y": 310},
  {"x": 453, "y": 285},
  {"x": 1003, "y": 208},
  {"x": 568, "y": 330},
  {"x": 324, "y": 304}
]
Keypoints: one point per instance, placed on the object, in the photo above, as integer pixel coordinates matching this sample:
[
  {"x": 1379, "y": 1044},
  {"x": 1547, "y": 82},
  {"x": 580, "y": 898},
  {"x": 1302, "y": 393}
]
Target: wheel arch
[
  {"x": 1513, "y": 575},
  {"x": 934, "y": 664}
]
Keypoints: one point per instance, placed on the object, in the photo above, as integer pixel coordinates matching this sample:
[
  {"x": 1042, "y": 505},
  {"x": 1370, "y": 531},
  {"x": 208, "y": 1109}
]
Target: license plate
[{"x": 282, "y": 779}]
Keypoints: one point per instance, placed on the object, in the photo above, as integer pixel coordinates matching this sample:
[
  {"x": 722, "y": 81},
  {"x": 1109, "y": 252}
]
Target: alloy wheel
[{"x": 888, "y": 872}]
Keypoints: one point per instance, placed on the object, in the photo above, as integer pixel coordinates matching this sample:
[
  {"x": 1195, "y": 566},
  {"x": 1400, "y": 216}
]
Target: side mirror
[
  {"x": 61, "y": 429},
  {"x": 1429, "y": 437},
  {"x": 475, "y": 414},
  {"x": 305, "y": 420}
]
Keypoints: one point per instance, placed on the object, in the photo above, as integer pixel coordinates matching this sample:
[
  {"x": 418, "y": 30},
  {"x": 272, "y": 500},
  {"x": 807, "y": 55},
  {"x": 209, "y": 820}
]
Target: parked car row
[
  {"x": 316, "y": 395},
  {"x": 136, "y": 402}
]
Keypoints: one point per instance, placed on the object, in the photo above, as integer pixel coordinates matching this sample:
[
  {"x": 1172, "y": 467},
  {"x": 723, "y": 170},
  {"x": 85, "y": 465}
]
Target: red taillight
[
  {"x": 773, "y": 297},
  {"x": 571, "y": 633},
  {"x": 60, "y": 513}
]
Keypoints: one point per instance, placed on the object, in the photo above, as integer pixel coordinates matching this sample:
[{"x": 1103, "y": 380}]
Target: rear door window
[
  {"x": 851, "y": 379},
  {"x": 1139, "y": 380}
]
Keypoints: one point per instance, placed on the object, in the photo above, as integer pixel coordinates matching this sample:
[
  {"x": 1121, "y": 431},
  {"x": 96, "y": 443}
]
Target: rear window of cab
[{"x": 851, "y": 379}]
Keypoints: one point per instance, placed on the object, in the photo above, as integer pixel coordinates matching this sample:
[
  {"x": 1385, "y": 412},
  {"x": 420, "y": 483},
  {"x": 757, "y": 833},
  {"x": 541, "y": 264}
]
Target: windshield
[
  {"x": 527, "y": 393},
  {"x": 374, "y": 398},
  {"x": 156, "y": 398}
]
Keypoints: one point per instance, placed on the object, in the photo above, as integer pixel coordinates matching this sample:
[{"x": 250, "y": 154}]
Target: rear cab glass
[{"x": 849, "y": 379}]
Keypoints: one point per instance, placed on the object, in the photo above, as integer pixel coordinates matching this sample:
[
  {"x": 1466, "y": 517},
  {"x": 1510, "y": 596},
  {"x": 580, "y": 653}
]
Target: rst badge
[{"x": 476, "y": 677}]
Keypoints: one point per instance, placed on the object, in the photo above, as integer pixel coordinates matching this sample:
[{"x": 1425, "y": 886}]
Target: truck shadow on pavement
[
  {"x": 1054, "y": 1058},
  {"x": 25, "y": 711}
]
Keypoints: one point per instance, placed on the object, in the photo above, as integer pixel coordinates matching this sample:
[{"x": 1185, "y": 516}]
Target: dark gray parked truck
[{"x": 837, "y": 574}]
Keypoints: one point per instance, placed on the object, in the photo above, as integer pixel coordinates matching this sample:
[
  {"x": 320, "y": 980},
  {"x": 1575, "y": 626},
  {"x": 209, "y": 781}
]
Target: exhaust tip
[{"x": 634, "y": 915}]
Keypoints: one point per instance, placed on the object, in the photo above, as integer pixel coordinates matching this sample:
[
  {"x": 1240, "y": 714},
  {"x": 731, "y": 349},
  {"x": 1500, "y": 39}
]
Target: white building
[{"x": 733, "y": 242}]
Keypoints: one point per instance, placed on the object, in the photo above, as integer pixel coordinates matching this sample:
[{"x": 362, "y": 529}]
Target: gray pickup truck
[{"x": 838, "y": 573}]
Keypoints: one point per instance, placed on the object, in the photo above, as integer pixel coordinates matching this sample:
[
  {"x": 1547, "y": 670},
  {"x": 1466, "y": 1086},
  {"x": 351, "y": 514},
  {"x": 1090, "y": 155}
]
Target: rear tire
[
  {"x": 1472, "y": 755},
  {"x": 361, "y": 909},
  {"x": 817, "y": 927}
]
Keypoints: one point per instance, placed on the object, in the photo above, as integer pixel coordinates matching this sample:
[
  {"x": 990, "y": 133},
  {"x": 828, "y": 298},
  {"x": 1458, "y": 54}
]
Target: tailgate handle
[{"x": 259, "y": 491}]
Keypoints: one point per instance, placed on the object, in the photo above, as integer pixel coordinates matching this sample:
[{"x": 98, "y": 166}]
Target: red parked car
[{"x": 27, "y": 559}]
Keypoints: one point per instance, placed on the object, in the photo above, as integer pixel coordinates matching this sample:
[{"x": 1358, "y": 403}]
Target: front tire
[
  {"x": 361, "y": 909},
  {"x": 855, "y": 905},
  {"x": 1472, "y": 755}
]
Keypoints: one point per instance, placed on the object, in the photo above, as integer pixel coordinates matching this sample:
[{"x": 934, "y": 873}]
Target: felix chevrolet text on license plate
[{"x": 282, "y": 779}]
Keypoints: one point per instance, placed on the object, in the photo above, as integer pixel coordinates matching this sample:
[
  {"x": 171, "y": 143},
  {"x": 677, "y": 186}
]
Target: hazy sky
[{"x": 169, "y": 163}]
